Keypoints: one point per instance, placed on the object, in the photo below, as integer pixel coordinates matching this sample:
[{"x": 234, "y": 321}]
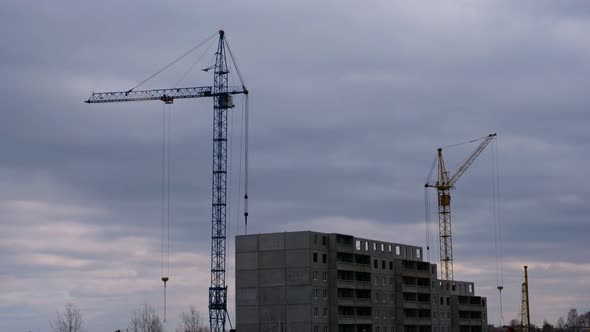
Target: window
[
  {"x": 315, "y": 239},
  {"x": 375, "y": 263},
  {"x": 374, "y": 246},
  {"x": 315, "y": 275},
  {"x": 383, "y": 281},
  {"x": 325, "y": 276},
  {"x": 391, "y": 297},
  {"x": 358, "y": 245},
  {"x": 391, "y": 280},
  {"x": 391, "y": 265},
  {"x": 315, "y": 257},
  {"x": 325, "y": 293},
  {"x": 390, "y": 248},
  {"x": 397, "y": 251},
  {"x": 366, "y": 245},
  {"x": 315, "y": 293},
  {"x": 483, "y": 302},
  {"x": 376, "y": 280},
  {"x": 442, "y": 301},
  {"x": 382, "y": 247},
  {"x": 378, "y": 329},
  {"x": 377, "y": 297},
  {"x": 324, "y": 258},
  {"x": 376, "y": 313},
  {"x": 433, "y": 284},
  {"x": 434, "y": 314},
  {"x": 324, "y": 240},
  {"x": 325, "y": 329},
  {"x": 418, "y": 252},
  {"x": 383, "y": 265},
  {"x": 447, "y": 300},
  {"x": 325, "y": 311},
  {"x": 470, "y": 288},
  {"x": 453, "y": 287},
  {"x": 315, "y": 311}
]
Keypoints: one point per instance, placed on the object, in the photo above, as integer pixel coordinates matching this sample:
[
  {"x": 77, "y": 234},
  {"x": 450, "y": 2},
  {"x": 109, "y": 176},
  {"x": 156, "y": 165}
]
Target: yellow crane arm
[{"x": 470, "y": 160}]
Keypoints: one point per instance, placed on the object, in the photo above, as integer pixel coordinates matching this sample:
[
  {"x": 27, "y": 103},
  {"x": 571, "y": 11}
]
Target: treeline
[
  {"x": 574, "y": 320},
  {"x": 145, "y": 319},
  {"x": 572, "y": 323}
]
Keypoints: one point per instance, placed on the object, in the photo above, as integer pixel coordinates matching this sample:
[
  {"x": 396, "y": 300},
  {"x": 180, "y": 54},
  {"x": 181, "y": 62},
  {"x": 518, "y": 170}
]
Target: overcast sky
[{"x": 349, "y": 101}]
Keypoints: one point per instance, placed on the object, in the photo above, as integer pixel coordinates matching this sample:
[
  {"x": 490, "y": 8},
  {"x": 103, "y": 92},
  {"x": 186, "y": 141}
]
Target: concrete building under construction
[{"x": 319, "y": 282}]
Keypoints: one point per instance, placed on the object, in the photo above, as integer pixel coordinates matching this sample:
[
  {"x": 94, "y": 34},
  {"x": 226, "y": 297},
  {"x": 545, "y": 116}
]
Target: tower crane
[
  {"x": 443, "y": 185},
  {"x": 222, "y": 94},
  {"x": 525, "y": 316}
]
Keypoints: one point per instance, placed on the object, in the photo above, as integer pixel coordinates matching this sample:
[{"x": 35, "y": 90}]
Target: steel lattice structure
[
  {"x": 221, "y": 93},
  {"x": 218, "y": 289},
  {"x": 443, "y": 185}
]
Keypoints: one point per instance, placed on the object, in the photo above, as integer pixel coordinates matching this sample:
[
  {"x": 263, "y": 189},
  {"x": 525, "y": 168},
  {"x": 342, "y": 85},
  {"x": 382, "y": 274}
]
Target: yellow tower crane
[
  {"x": 525, "y": 315},
  {"x": 443, "y": 185}
]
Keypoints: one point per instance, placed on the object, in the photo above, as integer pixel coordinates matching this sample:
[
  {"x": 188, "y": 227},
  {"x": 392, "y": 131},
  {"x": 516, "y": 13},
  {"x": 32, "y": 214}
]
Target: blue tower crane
[{"x": 222, "y": 95}]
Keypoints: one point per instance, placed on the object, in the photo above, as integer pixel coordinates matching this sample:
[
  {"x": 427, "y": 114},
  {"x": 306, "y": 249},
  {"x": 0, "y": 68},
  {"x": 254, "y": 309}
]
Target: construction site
[
  {"x": 294, "y": 166},
  {"x": 319, "y": 282}
]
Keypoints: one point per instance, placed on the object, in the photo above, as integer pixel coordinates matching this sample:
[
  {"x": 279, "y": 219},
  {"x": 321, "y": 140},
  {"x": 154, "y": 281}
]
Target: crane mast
[
  {"x": 221, "y": 93},
  {"x": 443, "y": 185},
  {"x": 218, "y": 288},
  {"x": 525, "y": 317}
]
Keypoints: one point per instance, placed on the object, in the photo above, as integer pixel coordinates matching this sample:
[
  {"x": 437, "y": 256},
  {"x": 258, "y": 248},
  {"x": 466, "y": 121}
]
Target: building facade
[{"x": 319, "y": 282}]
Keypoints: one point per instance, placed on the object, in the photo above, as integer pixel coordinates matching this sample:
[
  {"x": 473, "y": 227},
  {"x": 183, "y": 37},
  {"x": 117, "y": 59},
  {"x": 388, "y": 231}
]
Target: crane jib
[{"x": 165, "y": 95}]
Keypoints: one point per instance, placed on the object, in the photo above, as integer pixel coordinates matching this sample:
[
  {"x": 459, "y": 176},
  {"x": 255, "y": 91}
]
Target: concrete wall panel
[
  {"x": 274, "y": 241},
  {"x": 272, "y": 314},
  {"x": 298, "y": 276},
  {"x": 246, "y": 278},
  {"x": 247, "y": 315},
  {"x": 272, "y": 259},
  {"x": 297, "y": 258},
  {"x": 246, "y": 243},
  {"x": 298, "y": 314},
  {"x": 247, "y": 296},
  {"x": 251, "y": 328},
  {"x": 274, "y": 277},
  {"x": 297, "y": 240},
  {"x": 247, "y": 261},
  {"x": 300, "y": 327},
  {"x": 299, "y": 294},
  {"x": 272, "y": 295}
]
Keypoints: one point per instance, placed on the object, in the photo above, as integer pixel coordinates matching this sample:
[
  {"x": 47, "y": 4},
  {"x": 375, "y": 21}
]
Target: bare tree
[
  {"x": 560, "y": 323},
  {"x": 572, "y": 318},
  {"x": 145, "y": 320},
  {"x": 584, "y": 319},
  {"x": 192, "y": 321},
  {"x": 70, "y": 320}
]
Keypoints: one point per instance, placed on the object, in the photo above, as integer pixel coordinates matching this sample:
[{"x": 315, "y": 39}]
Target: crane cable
[
  {"x": 428, "y": 225},
  {"x": 166, "y": 195},
  {"x": 246, "y": 125},
  {"x": 173, "y": 62},
  {"x": 497, "y": 225}
]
